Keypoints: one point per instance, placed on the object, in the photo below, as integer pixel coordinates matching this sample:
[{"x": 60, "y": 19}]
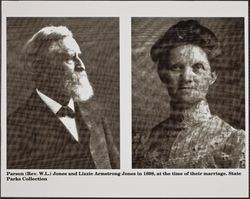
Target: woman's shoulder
[
  {"x": 225, "y": 128},
  {"x": 229, "y": 145}
]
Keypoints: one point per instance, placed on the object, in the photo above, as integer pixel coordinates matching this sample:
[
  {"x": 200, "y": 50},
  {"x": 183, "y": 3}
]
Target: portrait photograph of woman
[{"x": 188, "y": 88}]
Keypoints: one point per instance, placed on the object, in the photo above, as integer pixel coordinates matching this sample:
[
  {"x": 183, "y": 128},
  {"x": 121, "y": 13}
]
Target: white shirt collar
[{"x": 52, "y": 104}]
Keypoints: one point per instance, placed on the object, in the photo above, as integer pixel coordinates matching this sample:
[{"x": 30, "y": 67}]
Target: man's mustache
[{"x": 78, "y": 78}]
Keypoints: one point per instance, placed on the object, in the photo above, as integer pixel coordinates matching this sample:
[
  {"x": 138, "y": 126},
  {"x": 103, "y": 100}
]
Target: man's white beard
[{"x": 79, "y": 87}]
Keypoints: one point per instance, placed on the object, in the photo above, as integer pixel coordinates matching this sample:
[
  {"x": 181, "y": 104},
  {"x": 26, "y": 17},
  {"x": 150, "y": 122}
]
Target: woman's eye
[
  {"x": 198, "y": 66},
  {"x": 175, "y": 67}
]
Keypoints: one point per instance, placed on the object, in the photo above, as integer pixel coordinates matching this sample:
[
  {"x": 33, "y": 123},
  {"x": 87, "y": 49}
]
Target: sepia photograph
[
  {"x": 134, "y": 99},
  {"x": 188, "y": 92},
  {"x": 62, "y": 93}
]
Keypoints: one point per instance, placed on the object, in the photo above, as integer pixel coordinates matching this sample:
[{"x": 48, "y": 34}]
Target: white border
[{"x": 170, "y": 186}]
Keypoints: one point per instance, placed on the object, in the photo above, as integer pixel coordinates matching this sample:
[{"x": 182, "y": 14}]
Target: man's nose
[
  {"x": 187, "y": 74},
  {"x": 79, "y": 66}
]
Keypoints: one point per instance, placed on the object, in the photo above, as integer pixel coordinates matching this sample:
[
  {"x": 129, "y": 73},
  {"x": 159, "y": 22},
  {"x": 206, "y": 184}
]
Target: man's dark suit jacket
[{"x": 36, "y": 139}]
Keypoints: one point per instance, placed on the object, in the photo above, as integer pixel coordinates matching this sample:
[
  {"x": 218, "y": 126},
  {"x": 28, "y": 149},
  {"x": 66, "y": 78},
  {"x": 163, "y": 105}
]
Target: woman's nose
[{"x": 187, "y": 74}]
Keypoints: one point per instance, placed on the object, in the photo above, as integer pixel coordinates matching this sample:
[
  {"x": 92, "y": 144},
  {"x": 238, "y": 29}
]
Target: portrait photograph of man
[
  {"x": 188, "y": 93},
  {"x": 63, "y": 93}
]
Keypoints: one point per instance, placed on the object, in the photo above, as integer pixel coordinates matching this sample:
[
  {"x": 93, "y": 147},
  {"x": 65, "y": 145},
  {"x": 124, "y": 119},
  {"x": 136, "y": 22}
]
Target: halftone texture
[
  {"x": 150, "y": 100},
  {"x": 98, "y": 39},
  {"x": 226, "y": 98},
  {"x": 197, "y": 141},
  {"x": 38, "y": 140}
]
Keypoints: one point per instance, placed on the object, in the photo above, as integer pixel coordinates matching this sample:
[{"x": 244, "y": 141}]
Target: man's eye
[
  {"x": 69, "y": 61},
  {"x": 198, "y": 66}
]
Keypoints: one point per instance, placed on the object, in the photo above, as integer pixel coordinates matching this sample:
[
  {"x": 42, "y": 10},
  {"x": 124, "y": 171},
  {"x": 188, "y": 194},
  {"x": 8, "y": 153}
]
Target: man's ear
[{"x": 213, "y": 77}]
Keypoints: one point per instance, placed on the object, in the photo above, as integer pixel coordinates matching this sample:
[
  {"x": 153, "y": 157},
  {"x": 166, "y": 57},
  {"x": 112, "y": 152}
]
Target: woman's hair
[{"x": 182, "y": 33}]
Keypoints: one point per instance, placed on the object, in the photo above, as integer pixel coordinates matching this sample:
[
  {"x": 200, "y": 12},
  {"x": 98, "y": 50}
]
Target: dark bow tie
[{"x": 65, "y": 111}]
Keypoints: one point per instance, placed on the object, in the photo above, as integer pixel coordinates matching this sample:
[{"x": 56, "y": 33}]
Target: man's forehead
[{"x": 66, "y": 45}]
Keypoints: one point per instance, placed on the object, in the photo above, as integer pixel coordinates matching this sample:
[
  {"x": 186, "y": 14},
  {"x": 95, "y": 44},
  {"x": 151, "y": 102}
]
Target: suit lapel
[
  {"x": 53, "y": 133},
  {"x": 50, "y": 128},
  {"x": 97, "y": 141}
]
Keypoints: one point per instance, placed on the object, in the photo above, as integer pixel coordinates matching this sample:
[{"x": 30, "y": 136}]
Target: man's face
[
  {"x": 67, "y": 72},
  {"x": 188, "y": 74}
]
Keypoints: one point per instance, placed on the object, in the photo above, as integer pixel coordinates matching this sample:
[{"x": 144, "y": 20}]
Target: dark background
[
  {"x": 98, "y": 39},
  {"x": 150, "y": 101}
]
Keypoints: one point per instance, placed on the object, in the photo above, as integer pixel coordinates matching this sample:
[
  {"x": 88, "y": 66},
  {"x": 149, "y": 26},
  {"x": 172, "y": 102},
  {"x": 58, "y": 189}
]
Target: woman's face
[{"x": 188, "y": 74}]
